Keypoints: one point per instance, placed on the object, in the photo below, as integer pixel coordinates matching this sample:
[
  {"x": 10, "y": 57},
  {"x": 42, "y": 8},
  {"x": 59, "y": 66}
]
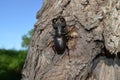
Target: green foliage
[
  {"x": 11, "y": 63},
  {"x": 26, "y": 39}
]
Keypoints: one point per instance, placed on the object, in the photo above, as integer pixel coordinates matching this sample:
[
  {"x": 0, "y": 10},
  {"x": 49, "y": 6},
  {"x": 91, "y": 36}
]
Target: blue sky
[{"x": 17, "y": 17}]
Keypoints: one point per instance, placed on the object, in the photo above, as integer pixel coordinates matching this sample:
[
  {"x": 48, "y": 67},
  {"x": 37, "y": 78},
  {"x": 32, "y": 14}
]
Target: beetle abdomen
[{"x": 59, "y": 44}]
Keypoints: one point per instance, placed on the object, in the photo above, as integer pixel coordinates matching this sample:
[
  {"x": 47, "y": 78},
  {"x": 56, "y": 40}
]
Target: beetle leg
[
  {"x": 61, "y": 57},
  {"x": 68, "y": 52},
  {"x": 53, "y": 48}
]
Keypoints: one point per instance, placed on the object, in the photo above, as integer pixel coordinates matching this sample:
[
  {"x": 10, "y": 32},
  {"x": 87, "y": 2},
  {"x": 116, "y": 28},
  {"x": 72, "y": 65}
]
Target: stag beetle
[{"x": 60, "y": 37}]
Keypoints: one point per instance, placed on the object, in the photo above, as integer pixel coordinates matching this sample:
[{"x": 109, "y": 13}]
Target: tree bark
[{"x": 94, "y": 53}]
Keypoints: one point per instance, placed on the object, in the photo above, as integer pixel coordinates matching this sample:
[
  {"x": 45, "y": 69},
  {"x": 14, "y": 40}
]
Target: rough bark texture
[{"x": 94, "y": 54}]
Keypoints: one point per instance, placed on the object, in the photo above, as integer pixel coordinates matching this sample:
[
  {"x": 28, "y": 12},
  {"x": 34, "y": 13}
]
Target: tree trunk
[{"x": 94, "y": 53}]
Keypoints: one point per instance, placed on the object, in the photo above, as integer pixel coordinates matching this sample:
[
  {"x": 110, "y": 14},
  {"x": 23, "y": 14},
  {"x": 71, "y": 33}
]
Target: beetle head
[{"x": 59, "y": 25}]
